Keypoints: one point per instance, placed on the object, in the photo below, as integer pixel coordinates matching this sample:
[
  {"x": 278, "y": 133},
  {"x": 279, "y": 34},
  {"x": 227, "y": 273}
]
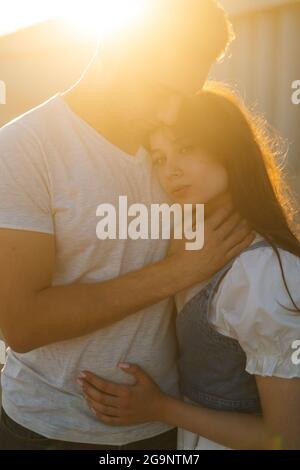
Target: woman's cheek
[
  {"x": 162, "y": 180},
  {"x": 222, "y": 181},
  {"x": 207, "y": 184}
]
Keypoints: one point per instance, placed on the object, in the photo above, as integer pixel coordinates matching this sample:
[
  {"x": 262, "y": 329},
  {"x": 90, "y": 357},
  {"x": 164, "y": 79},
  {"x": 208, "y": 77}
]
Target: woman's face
[{"x": 187, "y": 174}]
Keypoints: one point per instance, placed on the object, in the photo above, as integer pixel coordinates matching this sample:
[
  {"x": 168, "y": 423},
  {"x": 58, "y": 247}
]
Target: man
[{"x": 70, "y": 301}]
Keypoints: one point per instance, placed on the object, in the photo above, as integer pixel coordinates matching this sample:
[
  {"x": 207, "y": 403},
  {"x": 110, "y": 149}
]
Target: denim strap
[{"x": 213, "y": 286}]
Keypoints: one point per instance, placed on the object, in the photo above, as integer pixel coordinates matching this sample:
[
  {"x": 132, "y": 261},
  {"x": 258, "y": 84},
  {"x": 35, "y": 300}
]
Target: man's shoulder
[{"x": 30, "y": 126}]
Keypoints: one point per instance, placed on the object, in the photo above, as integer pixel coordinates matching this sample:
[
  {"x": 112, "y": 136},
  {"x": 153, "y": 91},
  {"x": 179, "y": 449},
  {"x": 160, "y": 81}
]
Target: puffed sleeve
[{"x": 249, "y": 306}]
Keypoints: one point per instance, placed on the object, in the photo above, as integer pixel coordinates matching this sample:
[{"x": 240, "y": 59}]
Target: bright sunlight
[
  {"x": 96, "y": 17},
  {"x": 105, "y": 16}
]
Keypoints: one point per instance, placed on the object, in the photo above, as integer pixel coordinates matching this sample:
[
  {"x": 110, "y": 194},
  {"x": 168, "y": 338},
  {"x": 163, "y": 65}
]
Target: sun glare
[{"x": 104, "y": 17}]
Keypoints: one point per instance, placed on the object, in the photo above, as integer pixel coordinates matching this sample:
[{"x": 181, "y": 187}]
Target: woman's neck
[{"x": 219, "y": 201}]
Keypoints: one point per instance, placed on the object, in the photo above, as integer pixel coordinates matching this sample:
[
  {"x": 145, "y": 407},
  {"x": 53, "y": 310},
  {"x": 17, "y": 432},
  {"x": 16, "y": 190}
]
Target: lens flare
[{"x": 104, "y": 17}]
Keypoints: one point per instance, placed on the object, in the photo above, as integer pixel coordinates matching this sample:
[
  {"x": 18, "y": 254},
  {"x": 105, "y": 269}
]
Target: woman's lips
[{"x": 180, "y": 190}]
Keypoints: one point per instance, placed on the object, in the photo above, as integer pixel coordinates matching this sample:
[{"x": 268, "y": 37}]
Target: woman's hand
[{"x": 116, "y": 404}]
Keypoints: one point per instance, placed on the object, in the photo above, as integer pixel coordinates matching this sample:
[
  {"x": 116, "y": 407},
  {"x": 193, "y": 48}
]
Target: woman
[{"x": 239, "y": 332}]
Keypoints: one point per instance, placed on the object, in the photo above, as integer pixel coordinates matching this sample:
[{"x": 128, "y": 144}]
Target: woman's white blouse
[{"x": 249, "y": 306}]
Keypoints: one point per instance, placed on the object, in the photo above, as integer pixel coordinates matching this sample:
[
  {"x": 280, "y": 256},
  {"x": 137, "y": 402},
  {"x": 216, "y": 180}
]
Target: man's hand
[{"x": 226, "y": 235}]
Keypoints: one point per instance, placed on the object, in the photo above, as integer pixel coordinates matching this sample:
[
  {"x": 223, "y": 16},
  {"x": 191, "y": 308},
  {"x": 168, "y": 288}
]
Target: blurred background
[
  {"x": 40, "y": 56},
  {"x": 47, "y": 56}
]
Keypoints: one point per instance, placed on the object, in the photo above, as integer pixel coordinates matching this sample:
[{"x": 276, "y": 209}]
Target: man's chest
[{"x": 93, "y": 193}]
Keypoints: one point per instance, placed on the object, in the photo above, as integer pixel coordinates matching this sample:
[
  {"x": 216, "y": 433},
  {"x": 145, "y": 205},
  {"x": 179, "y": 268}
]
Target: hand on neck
[{"x": 222, "y": 200}]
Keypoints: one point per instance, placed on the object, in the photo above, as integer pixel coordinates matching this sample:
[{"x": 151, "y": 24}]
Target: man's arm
[{"x": 34, "y": 313}]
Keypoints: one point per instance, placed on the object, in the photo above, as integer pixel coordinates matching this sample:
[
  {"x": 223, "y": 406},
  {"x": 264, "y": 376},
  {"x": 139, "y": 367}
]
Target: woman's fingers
[
  {"x": 93, "y": 394},
  {"x": 104, "y": 386},
  {"x": 100, "y": 409},
  {"x": 110, "y": 420}
]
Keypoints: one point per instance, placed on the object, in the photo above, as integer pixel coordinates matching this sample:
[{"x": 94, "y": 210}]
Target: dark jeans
[{"x": 13, "y": 436}]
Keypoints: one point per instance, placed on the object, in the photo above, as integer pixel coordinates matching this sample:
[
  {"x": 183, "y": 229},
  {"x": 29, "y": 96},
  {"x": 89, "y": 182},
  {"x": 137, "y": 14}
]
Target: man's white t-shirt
[{"x": 55, "y": 170}]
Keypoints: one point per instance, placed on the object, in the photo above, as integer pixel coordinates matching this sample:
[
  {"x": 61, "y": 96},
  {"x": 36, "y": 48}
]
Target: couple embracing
[{"x": 142, "y": 344}]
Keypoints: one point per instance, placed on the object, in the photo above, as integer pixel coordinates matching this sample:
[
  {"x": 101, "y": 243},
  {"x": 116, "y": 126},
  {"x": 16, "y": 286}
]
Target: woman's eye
[{"x": 159, "y": 160}]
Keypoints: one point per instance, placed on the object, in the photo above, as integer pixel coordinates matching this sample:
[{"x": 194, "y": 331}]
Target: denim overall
[{"x": 211, "y": 365}]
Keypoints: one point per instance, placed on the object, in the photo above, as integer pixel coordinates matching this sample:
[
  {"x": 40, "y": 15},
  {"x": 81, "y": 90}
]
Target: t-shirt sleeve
[
  {"x": 25, "y": 201},
  {"x": 250, "y": 306}
]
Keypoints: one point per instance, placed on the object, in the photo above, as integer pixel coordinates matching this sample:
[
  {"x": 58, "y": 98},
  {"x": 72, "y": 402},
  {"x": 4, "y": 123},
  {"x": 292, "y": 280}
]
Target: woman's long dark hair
[{"x": 218, "y": 121}]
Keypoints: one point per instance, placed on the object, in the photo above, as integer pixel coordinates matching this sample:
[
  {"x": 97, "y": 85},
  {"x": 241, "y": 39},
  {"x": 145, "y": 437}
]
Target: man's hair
[
  {"x": 204, "y": 22},
  {"x": 217, "y": 27},
  {"x": 205, "y": 19}
]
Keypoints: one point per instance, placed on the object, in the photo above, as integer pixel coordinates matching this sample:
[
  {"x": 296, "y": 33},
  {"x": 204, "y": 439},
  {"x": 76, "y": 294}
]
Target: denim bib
[{"x": 211, "y": 365}]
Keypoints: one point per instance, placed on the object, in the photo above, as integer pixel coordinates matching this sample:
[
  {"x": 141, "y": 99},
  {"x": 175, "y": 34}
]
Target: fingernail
[
  {"x": 82, "y": 375},
  {"x": 80, "y": 382},
  {"x": 122, "y": 365}
]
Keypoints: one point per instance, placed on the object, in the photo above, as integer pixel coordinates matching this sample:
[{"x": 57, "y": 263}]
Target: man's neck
[{"x": 95, "y": 109}]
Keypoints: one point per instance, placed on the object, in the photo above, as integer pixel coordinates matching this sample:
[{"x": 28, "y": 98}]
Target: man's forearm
[{"x": 64, "y": 312}]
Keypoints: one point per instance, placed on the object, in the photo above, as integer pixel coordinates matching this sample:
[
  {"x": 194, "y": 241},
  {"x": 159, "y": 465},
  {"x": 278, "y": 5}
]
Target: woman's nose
[{"x": 174, "y": 170}]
